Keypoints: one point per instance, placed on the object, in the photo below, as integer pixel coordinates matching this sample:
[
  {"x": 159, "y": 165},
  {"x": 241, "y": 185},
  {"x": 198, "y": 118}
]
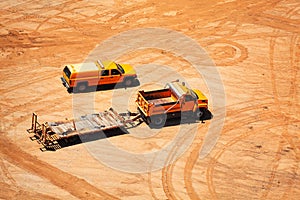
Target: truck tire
[
  {"x": 81, "y": 87},
  {"x": 70, "y": 90},
  {"x": 157, "y": 121},
  {"x": 128, "y": 82},
  {"x": 199, "y": 113}
]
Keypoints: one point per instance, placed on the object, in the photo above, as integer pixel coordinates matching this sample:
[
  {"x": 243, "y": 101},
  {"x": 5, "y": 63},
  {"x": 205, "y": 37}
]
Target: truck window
[
  {"x": 189, "y": 98},
  {"x": 104, "y": 72},
  {"x": 67, "y": 71},
  {"x": 194, "y": 94},
  {"x": 115, "y": 72},
  {"x": 120, "y": 68}
]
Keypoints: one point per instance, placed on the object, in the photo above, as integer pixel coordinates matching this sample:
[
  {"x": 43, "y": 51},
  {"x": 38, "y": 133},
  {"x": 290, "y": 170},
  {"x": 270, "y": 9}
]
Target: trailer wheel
[
  {"x": 158, "y": 121},
  {"x": 81, "y": 87}
]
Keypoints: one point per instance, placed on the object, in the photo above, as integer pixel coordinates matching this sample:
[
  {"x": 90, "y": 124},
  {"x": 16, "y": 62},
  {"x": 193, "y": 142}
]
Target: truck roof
[
  {"x": 93, "y": 66},
  {"x": 84, "y": 67}
]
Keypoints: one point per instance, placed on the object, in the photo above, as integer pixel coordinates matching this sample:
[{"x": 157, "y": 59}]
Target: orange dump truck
[{"x": 176, "y": 100}]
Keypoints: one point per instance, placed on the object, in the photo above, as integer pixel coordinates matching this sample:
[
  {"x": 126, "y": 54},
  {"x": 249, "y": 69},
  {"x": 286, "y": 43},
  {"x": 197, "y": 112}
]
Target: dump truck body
[{"x": 173, "y": 101}]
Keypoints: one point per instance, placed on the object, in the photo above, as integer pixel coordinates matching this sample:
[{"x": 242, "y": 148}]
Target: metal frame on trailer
[{"x": 52, "y": 135}]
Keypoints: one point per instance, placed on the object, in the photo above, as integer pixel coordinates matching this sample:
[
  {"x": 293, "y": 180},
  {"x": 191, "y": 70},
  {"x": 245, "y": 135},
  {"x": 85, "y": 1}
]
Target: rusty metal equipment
[{"x": 55, "y": 135}]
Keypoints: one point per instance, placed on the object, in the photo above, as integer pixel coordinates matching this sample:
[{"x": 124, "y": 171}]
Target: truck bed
[
  {"x": 159, "y": 97},
  {"x": 156, "y": 101},
  {"x": 173, "y": 99},
  {"x": 162, "y": 100}
]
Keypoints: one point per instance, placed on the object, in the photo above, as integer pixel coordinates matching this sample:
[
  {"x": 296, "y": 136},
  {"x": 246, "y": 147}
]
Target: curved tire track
[
  {"x": 210, "y": 169},
  {"x": 292, "y": 93},
  {"x": 74, "y": 185},
  {"x": 167, "y": 171}
]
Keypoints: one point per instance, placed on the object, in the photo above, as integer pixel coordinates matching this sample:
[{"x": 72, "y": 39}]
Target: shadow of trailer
[{"x": 60, "y": 134}]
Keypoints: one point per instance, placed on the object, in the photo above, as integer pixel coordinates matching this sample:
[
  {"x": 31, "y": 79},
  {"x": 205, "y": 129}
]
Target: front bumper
[{"x": 64, "y": 82}]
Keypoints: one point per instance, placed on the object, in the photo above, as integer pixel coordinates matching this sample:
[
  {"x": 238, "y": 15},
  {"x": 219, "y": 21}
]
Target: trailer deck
[{"x": 52, "y": 135}]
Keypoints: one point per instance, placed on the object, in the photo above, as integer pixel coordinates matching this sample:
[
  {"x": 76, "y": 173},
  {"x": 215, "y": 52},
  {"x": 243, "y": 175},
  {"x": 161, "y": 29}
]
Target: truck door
[
  {"x": 115, "y": 76},
  {"x": 188, "y": 103},
  {"x": 104, "y": 77}
]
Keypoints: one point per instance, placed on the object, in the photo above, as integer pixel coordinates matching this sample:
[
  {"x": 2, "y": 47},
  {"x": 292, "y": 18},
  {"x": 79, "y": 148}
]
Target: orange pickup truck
[
  {"x": 174, "y": 101},
  {"x": 81, "y": 76}
]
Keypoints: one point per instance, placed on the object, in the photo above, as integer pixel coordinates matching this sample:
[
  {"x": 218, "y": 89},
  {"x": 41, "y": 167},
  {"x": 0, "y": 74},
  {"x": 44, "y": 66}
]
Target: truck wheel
[
  {"x": 158, "y": 121},
  {"x": 81, "y": 87},
  {"x": 70, "y": 90},
  {"x": 128, "y": 82},
  {"x": 199, "y": 113}
]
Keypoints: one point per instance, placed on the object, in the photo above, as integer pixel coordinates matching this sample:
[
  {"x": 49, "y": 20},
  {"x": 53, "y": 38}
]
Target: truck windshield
[
  {"x": 120, "y": 68},
  {"x": 67, "y": 71},
  {"x": 194, "y": 94}
]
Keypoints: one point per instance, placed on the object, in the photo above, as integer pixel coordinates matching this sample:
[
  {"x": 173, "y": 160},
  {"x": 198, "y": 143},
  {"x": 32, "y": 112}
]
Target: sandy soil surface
[{"x": 256, "y": 49}]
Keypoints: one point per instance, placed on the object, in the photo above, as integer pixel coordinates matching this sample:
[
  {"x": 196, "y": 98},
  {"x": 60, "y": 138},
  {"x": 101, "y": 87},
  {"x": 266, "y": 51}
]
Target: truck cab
[{"x": 83, "y": 75}]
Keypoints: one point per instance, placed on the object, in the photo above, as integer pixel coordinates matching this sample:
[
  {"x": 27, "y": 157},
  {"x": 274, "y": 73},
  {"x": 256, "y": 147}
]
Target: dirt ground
[{"x": 255, "y": 46}]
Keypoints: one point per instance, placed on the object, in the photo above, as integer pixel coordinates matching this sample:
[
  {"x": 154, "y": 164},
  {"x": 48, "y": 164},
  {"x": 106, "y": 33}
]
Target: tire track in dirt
[
  {"x": 258, "y": 16},
  {"x": 22, "y": 108},
  {"x": 218, "y": 30},
  {"x": 243, "y": 120},
  {"x": 188, "y": 172},
  {"x": 16, "y": 191},
  {"x": 61, "y": 8},
  {"x": 18, "y": 9},
  {"x": 214, "y": 159},
  {"x": 290, "y": 139},
  {"x": 131, "y": 9},
  {"x": 167, "y": 171},
  {"x": 288, "y": 25},
  {"x": 194, "y": 155},
  {"x": 39, "y": 98},
  {"x": 153, "y": 195},
  {"x": 12, "y": 192},
  {"x": 227, "y": 128},
  {"x": 292, "y": 93},
  {"x": 274, "y": 168},
  {"x": 168, "y": 187},
  {"x": 238, "y": 53},
  {"x": 276, "y": 98},
  {"x": 29, "y": 82},
  {"x": 7, "y": 173},
  {"x": 159, "y": 57},
  {"x": 278, "y": 153},
  {"x": 74, "y": 185},
  {"x": 36, "y": 17}
]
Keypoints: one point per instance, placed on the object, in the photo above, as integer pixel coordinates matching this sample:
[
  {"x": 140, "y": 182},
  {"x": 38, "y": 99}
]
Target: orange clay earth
[{"x": 255, "y": 47}]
